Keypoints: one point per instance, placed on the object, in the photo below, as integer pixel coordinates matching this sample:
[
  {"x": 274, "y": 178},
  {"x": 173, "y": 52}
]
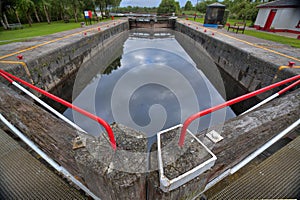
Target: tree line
[
  {"x": 239, "y": 9},
  {"x": 29, "y": 11}
]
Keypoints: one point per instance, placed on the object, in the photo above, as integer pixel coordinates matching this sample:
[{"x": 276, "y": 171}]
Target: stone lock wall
[{"x": 242, "y": 69}]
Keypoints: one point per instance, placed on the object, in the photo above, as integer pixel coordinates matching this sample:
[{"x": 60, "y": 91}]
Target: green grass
[
  {"x": 200, "y": 20},
  {"x": 37, "y": 29},
  {"x": 191, "y": 12},
  {"x": 232, "y": 21},
  {"x": 276, "y": 38}
]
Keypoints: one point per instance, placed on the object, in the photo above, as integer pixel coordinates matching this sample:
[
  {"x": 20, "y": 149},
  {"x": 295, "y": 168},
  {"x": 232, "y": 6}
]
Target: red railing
[
  {"x": 284, "y": 90},
  {"x": 187, "y": 122},
  {"x": 190, "y": 119},
  {"x": 107, "y": 127}
]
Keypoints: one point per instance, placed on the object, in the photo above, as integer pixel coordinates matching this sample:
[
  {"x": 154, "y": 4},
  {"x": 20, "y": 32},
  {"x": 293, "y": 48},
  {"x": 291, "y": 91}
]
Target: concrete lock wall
[
  {"x": 240, "y": 68},
  {"x": 51, "y": 65},
  {"x": 50, "y": 69}
]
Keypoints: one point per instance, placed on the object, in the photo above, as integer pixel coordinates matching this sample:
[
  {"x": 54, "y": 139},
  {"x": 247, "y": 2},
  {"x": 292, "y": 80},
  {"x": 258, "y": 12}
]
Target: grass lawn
[
  {"x": 276, "y": 38},
  {"x": 37, "y": 29}
]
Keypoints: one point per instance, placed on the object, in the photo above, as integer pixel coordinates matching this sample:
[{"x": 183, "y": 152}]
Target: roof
[
  {"x": 216, "y": 5},
  {"x": 281, "y": 4}
]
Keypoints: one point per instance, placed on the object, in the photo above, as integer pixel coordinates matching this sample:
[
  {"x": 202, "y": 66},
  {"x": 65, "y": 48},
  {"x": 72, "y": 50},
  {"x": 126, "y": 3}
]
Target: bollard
[
  {"x": 291, "y": 64},
  {"x": 99, "y": 29},
  {"x": 205, "y": 30},
  {"x": 84, "y": 33},
  {"x": 20, "y": 56}
]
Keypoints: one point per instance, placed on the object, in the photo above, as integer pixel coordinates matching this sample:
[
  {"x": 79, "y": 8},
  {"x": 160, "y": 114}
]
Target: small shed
[
  {"x": 214, "y": 14},
  {"x": 279, "y": 16}
]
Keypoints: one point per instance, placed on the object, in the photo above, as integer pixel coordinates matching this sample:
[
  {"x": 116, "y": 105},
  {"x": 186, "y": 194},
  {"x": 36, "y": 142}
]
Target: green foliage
[
  {"x": 239, "y": 9},
  {"x": 30, "y": 11},
  {"x": 38, "y": 29},
  {"x": 245, "y": 10},
  {"x": 188, "y": 5},
  {"x": 136, "y": 9},
  {"x": 201, "y": 7},
  {"x": 167, "y": 7}
]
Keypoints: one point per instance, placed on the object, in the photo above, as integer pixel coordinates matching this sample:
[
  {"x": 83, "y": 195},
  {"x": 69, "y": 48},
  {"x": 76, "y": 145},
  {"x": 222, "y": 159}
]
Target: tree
[
  {"x": 201, "y": 7},
  {"x": 76, "y": 6},
  {"x": 245, "y": 10},
  {"x": 5, "y": 7},
  {"x": 167, "y": 7},
  {"x": 35, "y": 9},
  {"x": 25, "y": 6},
  {"x": 188, "y": 5},
  {"x": 46, "y": 6}
]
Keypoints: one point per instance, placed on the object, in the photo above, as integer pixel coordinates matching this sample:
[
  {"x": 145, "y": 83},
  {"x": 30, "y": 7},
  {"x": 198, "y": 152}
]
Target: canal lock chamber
[
  {"x": 185, "y": 52},
  {"x": 148, "y": 79}
]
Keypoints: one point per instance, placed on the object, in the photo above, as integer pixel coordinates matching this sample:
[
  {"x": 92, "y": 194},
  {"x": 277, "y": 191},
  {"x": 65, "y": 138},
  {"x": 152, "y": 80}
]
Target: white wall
[
  {"x": 285, "y": 18},
  {"x": 294, "y": 19},
  {"x": 262, "y": 16}
]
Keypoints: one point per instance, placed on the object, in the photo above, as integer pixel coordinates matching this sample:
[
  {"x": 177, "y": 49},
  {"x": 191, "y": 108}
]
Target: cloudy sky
[{"x": 149, "y": 3}]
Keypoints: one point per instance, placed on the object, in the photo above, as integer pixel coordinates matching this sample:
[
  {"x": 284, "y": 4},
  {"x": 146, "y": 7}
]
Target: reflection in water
[
  {"x": 154, "y": 85},
  {"x": 113, "y": 66}
]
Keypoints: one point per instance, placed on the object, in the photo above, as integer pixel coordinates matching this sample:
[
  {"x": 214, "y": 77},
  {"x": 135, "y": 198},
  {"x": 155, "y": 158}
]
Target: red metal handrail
[
  {"x": 189, "y": 120},
  {"x": 108, "y": 129},
  {"x": 288, "y": 87}
]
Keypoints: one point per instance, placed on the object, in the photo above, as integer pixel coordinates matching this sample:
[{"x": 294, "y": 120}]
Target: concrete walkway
[{"x": 24, "y": 177}]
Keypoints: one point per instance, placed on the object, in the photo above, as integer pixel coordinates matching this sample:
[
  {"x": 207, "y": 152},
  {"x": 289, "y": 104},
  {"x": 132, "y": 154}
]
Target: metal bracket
[
  {"x": 214, "y": 136},
  {"x": 79, "y": 143}
]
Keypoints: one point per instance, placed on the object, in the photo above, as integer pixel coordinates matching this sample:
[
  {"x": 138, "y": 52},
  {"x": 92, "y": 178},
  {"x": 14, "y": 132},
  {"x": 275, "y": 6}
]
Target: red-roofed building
[{"x": 279, "y": 16}]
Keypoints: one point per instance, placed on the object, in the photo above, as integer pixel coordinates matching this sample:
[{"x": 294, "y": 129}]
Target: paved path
[{"x": 279, "y": 54}]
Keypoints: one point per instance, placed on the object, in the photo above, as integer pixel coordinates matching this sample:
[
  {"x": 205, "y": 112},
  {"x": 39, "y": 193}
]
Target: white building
[{"x": 279, "y": 16}]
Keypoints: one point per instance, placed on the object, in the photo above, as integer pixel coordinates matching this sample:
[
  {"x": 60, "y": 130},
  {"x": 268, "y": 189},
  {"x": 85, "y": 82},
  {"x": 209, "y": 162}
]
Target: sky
[{"x": 150, "y": 3}]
